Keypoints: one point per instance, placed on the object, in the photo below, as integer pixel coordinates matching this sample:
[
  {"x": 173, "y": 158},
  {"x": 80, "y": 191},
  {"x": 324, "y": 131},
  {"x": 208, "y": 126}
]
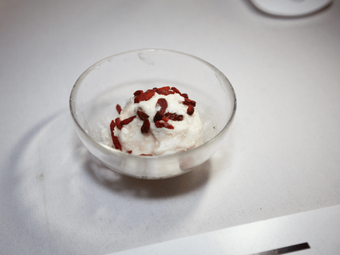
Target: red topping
[
  {"x": 176, "y": 90},
  {"x": 127, "y": 121},
  {"x": 190, "y": 110},
  {"x": 173, "y": 116},
  {"x": 118, "y": 108},
  {"x": 142, "y": 115},
  {"x": 165, "y": 119},
  {"x": 146, "y": 155},
  {"x": 116, "y": 143},
  {"x": 185, "y": 95},
  {"x": 188, "y": 102},
  {"x": 129, "y": 152},
  {"x": 163, "y": 104},
  {"x": 165, "y": 88},
  {"x": 115, "y": 140},
  {"x": 118, "y": 124},
  {"x": 144, "y": 96},
  {"x": 164, "y": 91},
  {"x": 161, "y": 124},
  {"x": 112, "y": 126},
  {"x": 138, "y": 92},
  {"x": 146, "y": 126},
  {"x": 158, "y": 116}
]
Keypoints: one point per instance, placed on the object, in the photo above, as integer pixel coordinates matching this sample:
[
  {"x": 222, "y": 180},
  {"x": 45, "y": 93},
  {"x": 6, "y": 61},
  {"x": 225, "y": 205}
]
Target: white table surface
[
  {"x": 306, "y": 233},
  {"x": 282, "y": 152}
]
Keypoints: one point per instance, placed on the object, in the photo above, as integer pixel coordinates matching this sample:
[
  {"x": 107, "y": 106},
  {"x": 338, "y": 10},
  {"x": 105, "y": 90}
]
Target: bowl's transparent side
[
  {"x": 154, "y": 167},
  {"x": 113, "y": 80}
]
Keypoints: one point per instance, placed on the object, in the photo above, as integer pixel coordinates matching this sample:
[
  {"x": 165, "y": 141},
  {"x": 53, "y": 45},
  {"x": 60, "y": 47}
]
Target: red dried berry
[
  {"x": 165, "y": 119},
  {"x": 169, "y": 126},
  {"x": 129, "y": 152},
  {"x": 116, "y": 143},
  {"x": 165, "y": 88},
  {"x": 145, "y": 127},
  {"x": 138, "y": 99},
  {"x": 190, "y": 110},
  {"x": 158, "y": 116},
  {"x": 112, "y": 126},
  {"x": 127, "y": 121},
  {"x": 144, "y": 96},
  {"x": 185, "y": 95},
  {"x": 173, "y": 116},
  {"x": 176, "y": 90},
  {"x": 142, "y": 115},
  {"x": 163, "y": 104},
  {"x": 118, "y": 108},
  {"x": 188, "y": 102},
  {"x": 118, "y": 124},
  {"x": 137, "y": 92},
  {"x": 161, "y": 124},
  {"x": 164, "y": 91},
  {"x": 148, "y": 94},
  {"x": 115, "y": 140}
]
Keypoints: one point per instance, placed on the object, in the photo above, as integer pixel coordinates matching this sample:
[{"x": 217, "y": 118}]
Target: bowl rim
[{"x": 118, "y": 152}]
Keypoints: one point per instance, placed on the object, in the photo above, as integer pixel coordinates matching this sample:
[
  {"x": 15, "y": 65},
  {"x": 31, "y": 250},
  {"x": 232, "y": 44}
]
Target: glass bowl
[{"x": 113, "y": 80}]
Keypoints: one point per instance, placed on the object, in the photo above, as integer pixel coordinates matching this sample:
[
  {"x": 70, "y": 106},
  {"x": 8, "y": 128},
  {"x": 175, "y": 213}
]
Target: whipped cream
[{"x": 169, "y": 136}]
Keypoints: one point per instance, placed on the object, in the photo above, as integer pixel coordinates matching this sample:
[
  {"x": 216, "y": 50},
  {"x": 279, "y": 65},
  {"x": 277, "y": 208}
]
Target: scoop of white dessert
[{"x": 163, "y": 124}]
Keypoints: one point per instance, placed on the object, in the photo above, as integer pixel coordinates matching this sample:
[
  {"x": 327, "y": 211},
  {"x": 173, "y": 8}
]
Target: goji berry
[
  {"x": 142, "y": 115},
  {"x": 118, "y": 124},
  {"x": 165, "y": 119},
  {"x": 190, "y": 110},
  {"x": 127, "y": 121},
  {"x": 118, "y": 108},
  {"x": 164, "y": 91},
  {"x": 144, "y": 96},
  {"x": 112, "y": 126},
  {"x": 145, "y": 127},
  {"x": 165, "y": 88},
  {"x": 158, "y": 116},
  {"x": 173, "y": 116},
  {"x": 188, "y": 102},
  {"x": 176, "y": 90},
  {"x": 148, "y": 94},
  {"x": 185, "y": 95},
  {"x": 137, "y": 92},
  {"x": 163, "y": 104},
  {"x": 116, "y": 143},
  {"x": 161, "y": 124}
]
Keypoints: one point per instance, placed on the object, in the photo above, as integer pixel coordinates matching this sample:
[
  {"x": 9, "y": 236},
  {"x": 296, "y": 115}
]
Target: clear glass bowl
[{"x": 114, "y": 79}]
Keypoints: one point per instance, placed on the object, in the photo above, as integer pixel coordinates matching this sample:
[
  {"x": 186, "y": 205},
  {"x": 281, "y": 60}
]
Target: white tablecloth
[{"x": 281, "y": 155}]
